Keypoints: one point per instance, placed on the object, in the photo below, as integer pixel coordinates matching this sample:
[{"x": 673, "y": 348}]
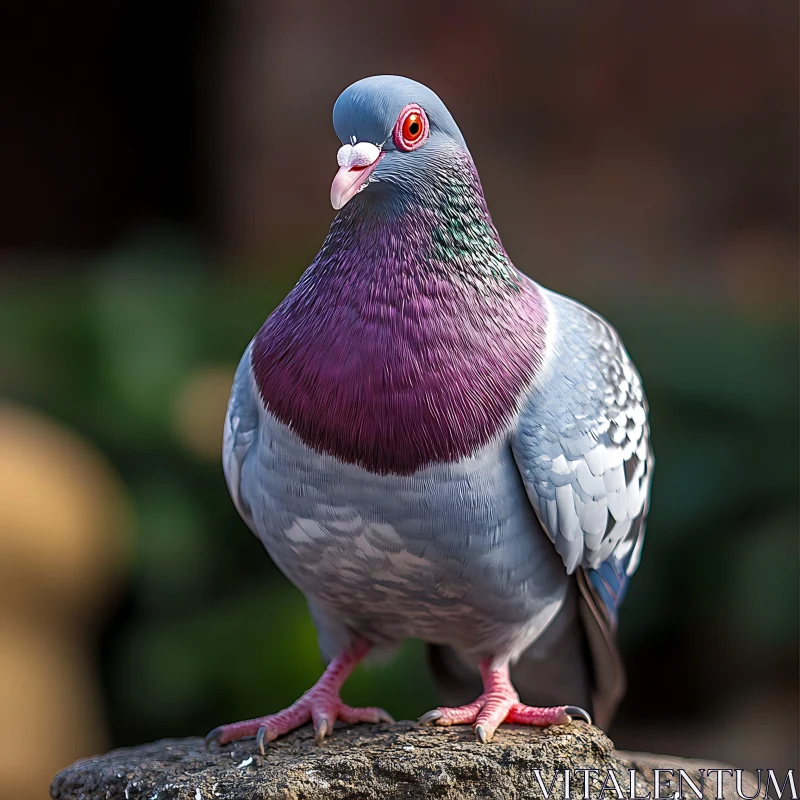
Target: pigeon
[{"x": 432, "y": 445}]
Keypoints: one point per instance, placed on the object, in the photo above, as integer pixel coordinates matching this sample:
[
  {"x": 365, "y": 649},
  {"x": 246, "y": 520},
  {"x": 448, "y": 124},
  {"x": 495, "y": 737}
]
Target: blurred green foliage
[{"x": 208, "y": 631}]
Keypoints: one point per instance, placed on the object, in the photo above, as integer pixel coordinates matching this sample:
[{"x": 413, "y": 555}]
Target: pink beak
[{"x": 354, "y": 173}]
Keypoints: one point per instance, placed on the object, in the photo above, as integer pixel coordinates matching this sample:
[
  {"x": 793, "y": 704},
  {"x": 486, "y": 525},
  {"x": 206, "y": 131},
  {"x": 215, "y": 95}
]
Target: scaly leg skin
[
  {"x": 500, "y": 703},
  {"x": 321, "y": 704}
]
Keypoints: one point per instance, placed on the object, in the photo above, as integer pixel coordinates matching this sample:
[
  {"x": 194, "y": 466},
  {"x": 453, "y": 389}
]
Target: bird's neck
[
  {"x": 411, "y": 338},
  {"x": 436, "y": 225}
]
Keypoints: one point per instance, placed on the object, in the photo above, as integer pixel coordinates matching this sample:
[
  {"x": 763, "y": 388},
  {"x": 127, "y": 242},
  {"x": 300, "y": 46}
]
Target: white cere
[{"x": 359, "y": 155}]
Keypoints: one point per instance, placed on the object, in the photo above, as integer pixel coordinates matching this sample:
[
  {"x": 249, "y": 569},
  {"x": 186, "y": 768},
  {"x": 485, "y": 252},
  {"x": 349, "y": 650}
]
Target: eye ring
[{"x": 411, "y": 129}]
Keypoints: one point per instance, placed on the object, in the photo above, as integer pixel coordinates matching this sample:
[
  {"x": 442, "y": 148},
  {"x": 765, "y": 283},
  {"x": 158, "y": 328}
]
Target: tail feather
[{"x": 609, "y": 682}]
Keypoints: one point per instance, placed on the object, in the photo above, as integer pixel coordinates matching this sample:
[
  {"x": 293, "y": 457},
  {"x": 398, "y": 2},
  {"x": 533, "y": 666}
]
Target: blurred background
[{"x": 166, "y": 169}]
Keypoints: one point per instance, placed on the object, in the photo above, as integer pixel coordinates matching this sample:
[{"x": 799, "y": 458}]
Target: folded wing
[
  {"x": 240, "y": 432},
  {"x": 583, "y": 449}
]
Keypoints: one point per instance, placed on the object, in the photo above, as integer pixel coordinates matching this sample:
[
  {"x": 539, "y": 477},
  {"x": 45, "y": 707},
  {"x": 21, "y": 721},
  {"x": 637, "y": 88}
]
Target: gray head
[{"x": 395, "y": 133}]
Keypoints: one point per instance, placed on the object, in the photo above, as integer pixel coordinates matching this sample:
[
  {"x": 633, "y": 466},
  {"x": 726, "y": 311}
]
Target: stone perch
[{"x": 383, "y": 761}]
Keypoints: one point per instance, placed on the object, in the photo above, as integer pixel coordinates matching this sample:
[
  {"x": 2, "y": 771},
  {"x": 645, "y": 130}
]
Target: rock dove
[{"x": 431, "y": 445}]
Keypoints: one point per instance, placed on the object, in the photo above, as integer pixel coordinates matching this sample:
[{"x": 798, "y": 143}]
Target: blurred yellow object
[
  {"x": 64, "y": 525},
  {"x": 199, "y": 410}
]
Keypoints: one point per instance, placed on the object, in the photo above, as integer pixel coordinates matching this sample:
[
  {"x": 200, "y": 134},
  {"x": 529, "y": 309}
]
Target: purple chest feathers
[{"x": 393, "y": 362}]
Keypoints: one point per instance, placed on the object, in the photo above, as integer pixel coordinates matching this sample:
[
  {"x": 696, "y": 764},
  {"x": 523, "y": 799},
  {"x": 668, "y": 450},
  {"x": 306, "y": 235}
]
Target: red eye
[{"x": 411, "y": 128}]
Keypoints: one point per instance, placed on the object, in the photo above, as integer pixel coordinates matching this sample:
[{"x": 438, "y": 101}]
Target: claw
[
  {"x": 429, "y": 716},
  {"x": 480, "y": 734},
  {"x": 213, "y": 736},
  {"x": 577, "y": 711},
  {"x": 261, "y": 739},
  {"x": 321, "y": 729},
  {"x": 384, "y": 716}
]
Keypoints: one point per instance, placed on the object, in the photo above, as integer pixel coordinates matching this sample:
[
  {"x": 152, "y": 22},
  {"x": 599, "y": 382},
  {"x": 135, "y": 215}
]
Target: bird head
[{"x": 396, "y": 135}]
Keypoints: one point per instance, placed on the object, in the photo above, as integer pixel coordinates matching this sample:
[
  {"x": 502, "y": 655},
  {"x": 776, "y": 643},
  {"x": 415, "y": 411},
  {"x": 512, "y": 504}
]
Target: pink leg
[
  {"x": 500, "y": 703},
  {"x": 321, "y": 704}
]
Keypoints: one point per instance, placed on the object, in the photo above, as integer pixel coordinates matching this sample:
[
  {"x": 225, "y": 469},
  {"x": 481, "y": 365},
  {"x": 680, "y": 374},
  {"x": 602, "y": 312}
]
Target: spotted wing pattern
[{"x": 582, "y": 447}]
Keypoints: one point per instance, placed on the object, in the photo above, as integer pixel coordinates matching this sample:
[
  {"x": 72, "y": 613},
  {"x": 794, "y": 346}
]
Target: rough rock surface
[{"x": 378, "y": 761}]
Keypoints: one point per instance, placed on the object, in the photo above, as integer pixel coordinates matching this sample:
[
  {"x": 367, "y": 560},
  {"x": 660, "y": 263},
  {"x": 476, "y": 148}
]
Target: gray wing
[
  {"x": 240, "y": 432},
  {"x": 582, "y": 447}
]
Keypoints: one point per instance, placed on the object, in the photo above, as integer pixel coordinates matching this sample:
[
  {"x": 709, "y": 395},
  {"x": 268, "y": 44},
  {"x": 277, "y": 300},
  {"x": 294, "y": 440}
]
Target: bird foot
[
  {"x": 321, "y": 704},
  {"x": 500, "y": 703},
  {"x": 321, "y": 707}
]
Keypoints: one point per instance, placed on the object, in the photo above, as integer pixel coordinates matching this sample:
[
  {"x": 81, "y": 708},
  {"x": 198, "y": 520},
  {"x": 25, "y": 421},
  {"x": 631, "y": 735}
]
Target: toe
[
  {"x": 539, "y": 717},
  {"x": 323, "y": 715},
  {"x": 224, "y": 734},
  {"x": 486, "y": 725},
  {"x": 214, "y": 737},
  {"x": 370, "y": 714},
  {"x": 494, "y": 711},
  {"x": 262, "y": 737},
  {"x": 460, "y": 715},
  {"x": 576, "y": 712},
  {"x": 430, "y": 716},
  {"x": 321, "y": 728}
]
